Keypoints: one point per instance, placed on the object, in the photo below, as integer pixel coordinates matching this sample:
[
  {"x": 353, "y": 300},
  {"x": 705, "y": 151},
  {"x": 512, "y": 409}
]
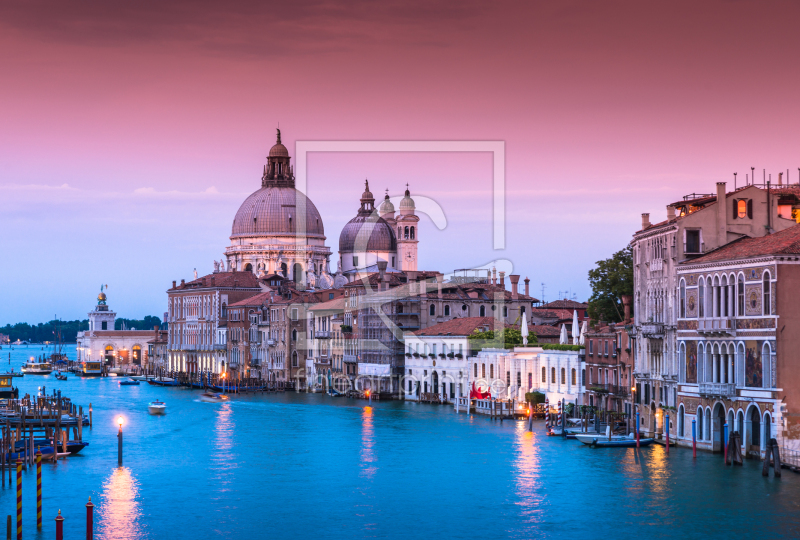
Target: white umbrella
[
  {"x": 584, "y": 329},
  {"x": 564, "y": 338},
  {"x": 576, "y": 331},
  {"x": 524, "y": 329}
]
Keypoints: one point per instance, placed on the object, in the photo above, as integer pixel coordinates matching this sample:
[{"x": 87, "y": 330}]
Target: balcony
[
  {"x": 322, "y": 334},
  {"x": 610, "y": 389},
  {"x": 271, "y": 342},
  {"x": 220, "y": 346},
  {"x": 717, "y": 326},
  {"x": 653, "y": 330},
  {"x": 718, "y": 389}
]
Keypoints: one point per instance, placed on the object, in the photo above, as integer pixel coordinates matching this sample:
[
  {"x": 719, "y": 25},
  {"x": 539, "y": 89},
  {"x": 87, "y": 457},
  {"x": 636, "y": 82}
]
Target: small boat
[
  {"x": 73, "y": 447},
  {"x": 157, "y": 407},
  {"x": 611, "y": 441},
  {"x": 129, "y": 382},
  {"x": 163, "y": 381},
  {"x": 142, "y": 377},
  {"x": 61, "y": 377},
  {"x": 214, "y": 397}
]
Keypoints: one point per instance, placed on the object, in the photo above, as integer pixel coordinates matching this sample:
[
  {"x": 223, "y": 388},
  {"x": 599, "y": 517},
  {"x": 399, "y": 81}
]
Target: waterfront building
[
  {"x": 511, "y": 373},
  {"x": 609, "y": 367},
  {"x": 694, "y": 226},
  {"x": 198, "y": 315},
  {"x": 4, "y": 339},
  {"x": 324, "y": 364},
  {"x": 559, "y": 312},
  {"x": 436, "y": 358},
  {"x": 115, "y": 348},
  {"x": 157, "y": 349},
  {"x": 737, "y": 341}
]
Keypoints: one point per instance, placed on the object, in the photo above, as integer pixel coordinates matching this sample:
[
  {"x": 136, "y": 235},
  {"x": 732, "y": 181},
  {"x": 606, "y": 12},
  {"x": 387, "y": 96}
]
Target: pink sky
[{"x": 157, "y": 117}]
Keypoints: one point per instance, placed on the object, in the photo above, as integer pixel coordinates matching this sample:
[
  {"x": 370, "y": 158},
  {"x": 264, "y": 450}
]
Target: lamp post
[{"x": 119, "y": 442}]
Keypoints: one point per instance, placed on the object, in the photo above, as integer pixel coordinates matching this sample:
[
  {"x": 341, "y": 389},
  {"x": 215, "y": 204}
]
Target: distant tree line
[{"x": 38, "y": 333}]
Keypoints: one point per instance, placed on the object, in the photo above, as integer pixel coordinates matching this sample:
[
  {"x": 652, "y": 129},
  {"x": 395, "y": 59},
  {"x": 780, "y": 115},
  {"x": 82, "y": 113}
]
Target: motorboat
[
  {"x": 129, "y": 382},
  {"x": 609, "y": 440},
  {"x": 90, "y": 369},
  {"x": 33, "y": 367},
  {"x": 163, "y": 381},
  {"x": 214, "y": 397},
  {"x": 157, "y": 407},
  {"x": 7, "y": 390},
  {"x": 142, "y": 377}
]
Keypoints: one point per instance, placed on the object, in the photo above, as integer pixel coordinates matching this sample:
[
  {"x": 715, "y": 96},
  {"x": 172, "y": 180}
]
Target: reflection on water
[
  {"x": 368, "y": 458},
  {"x": 221, "y": 460},
  {"x": 527, "y": 473},
  {"x": 119, "y": 509}
]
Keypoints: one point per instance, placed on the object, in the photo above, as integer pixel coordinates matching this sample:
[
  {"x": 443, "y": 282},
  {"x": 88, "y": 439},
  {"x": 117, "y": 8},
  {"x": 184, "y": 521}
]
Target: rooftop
[{"x": 785, "y": 242}]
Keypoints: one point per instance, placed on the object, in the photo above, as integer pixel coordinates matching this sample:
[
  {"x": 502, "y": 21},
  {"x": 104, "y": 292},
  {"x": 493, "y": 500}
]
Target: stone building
[
  {"x": 694, "y": 226},
  {"x": 115, "y": 348},
  {"x": 609, "y": 367},
  {"x": 737, "y": 343}
]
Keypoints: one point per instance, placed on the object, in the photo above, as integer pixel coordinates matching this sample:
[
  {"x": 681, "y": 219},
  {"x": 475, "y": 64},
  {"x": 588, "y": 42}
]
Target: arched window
[
  {"x": 683, "y": 300},
  {"x": 553, "y": 375},
  {"x": 294, "y": 335},
  {"x": 740, "y": 296},
  {"x": 767, "y": 295},
  {"x": 294, "y": 359},
  {"x": 446, "y": 311},
  {"x": 574, "y": 377},
  {"x": 767, "y": 428},
  {"x": 699, "y": 426},
  {"x": 483, "y": 370},
  {"x": 681, "y": 420},
  {"x": 766, "y": 365},
  {"x": 563, "y": 376},
  {"x": 432, "y": 310},
  {"x": 505, "y": 311},
  {"x": 482, "y": 311},
  {"x": 412, "y": 233},
  {"x": 544, "y": 375},
  {"x": 224, "y": 310},
  {"x": 701, "y": 298},
  {"x": 248, "y": 267},
  {"x": 682, "y": 362},
  {"x": 707, "y": 425},
  {"x": 405, "y": 231},
  {"x": 491, "y": 371},
  {"x": 476, "y": 370}
]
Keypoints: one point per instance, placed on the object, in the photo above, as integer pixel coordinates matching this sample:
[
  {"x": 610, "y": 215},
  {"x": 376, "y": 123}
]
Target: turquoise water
[{"x": 311, "y": 466}]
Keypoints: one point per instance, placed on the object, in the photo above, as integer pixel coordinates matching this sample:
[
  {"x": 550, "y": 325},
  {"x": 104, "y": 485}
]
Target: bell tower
[
  {"x": 407, "y": 233},
  {"x": 101, "y": 318}
]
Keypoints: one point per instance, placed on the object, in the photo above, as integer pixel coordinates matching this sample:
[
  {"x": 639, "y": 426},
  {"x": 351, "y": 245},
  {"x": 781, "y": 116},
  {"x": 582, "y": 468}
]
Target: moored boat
[
  {"x": 157, "y": 407},
  {"x": 129, "y": 382},
  {"x": 615, "y": 441},
  {"x": 90, "y": 369},
  {"x": 32, "y": 367}
]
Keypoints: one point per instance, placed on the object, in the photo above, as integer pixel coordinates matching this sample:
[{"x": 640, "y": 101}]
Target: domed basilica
[{"x": 278, "y": 230}]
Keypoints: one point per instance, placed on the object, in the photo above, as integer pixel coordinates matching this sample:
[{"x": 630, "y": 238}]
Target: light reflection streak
[
  {"x": 221, "y": 460},
  {"x": 119, "y": 509},
  {"x": 527, "y": 474},
  {"x": 368, "y": 459}
]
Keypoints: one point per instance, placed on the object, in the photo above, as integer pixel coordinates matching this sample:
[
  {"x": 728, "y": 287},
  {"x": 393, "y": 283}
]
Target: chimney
[
  {"x": 503, "y": 279},
  {"x": 780, "y": 178},
  {"x": 494, "y": 275},
  {"x": 183, "y": 282},
  {"x": 174, "y": 284},
  {"x": 213, "y": 281},
  {"x": 670, "y": 213},
  {"x": 722, "y": 215},
  {"x": 527, "y": 287},
  {"x": 439, "y": 278},
  {"x": 645, "y": 221},
  {"x": 626, "y": 305},
  {"x": 514, "y": 284}
]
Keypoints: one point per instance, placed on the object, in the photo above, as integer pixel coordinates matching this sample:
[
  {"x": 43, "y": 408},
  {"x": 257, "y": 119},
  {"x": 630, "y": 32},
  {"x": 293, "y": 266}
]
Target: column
[
  {"x": 731, "y": 367},
  {"x": 723, "y": 361},
  {"x": 714, "y": 367},
  {"x": 715, "y": 301}
]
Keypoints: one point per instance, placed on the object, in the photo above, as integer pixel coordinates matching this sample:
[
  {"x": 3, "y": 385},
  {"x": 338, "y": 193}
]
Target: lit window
[{"x": 741, "y": 209}]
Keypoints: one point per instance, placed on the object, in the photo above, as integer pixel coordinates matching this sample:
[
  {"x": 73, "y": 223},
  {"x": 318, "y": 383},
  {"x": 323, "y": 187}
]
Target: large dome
[
  {"x": 274, "y": 210},
  {"x": 366, "y": 233}
]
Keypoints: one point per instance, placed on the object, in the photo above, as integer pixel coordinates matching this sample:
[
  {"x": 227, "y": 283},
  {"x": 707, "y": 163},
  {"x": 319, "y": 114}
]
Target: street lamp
[{"x": 119, "y": 441}]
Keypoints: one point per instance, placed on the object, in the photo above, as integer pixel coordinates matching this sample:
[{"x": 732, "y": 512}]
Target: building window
[
  {"x": 482, "y": 311},
  {"x": 355, "y": 260},
  {"x": 692, "y": 242},
  {"x": 583, "y": 377},
  {"x": 483, "y": 370},
  {"x": 591, "y": 348},
  {"x": 505, "y": 311},
  {"x": 476, "y": 370},
  {"x": 412, "y": 233},
  {"x": 530, "y": 381},
  {"x": 574, "y": 377},
  {"x": 508, "y": 379},
  {"x": 767, "y": 291},
  {"x": 553, "y": 375},
  {"x": 432, "y": 310},
  {"x": 104, "y": 325},
  {"x": 701, "y": 298},
  {"x": 544, "y": 375},
  {"x": 740, "y": 296},
  {"x": 446, "y": 311},
  {"x": 491, "y": 371},
  {"x": 683, "y": 299},
  {"x": 519, "y": 379}
]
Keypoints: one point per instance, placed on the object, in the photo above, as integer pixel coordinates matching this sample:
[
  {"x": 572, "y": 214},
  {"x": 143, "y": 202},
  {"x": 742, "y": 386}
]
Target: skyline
[{"x": 159, "y": 124}]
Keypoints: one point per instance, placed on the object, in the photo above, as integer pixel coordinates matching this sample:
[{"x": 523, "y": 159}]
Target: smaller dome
[
  {"x": 101, "y": 297},
  {"x": 367, "y": 193},
  {"x": 386, "y": 206},
  {"x": 407, "y": 203},
  {"x": 278, "y": 151}
]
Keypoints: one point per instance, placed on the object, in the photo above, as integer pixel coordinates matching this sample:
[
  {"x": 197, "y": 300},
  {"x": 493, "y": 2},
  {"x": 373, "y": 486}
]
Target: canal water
[{"x": 312, "y": 466}]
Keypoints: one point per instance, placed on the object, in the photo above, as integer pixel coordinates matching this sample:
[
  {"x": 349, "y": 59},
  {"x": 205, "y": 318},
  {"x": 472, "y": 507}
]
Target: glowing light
[{"x": 119, "y": 421}]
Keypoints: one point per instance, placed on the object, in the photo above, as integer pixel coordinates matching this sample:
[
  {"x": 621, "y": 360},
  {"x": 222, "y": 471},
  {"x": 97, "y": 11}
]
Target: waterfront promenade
[{"x": 310, "y": 466}]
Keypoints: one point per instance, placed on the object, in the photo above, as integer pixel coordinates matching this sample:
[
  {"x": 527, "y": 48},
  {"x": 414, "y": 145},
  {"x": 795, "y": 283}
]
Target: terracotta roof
[
  {"x": 544, "y": 330},
  {"x": 564, "y": 304},
  {"x": 224, "y": 280},
  {"x": 337, "y": 304},
  {"x": 122, "y": 333},
  {"x": 298, "y": 297},
  {"x": 785, "y": 242},
  {"x": 462, "y": 326},
  {"x": 561, "y": 314}
]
